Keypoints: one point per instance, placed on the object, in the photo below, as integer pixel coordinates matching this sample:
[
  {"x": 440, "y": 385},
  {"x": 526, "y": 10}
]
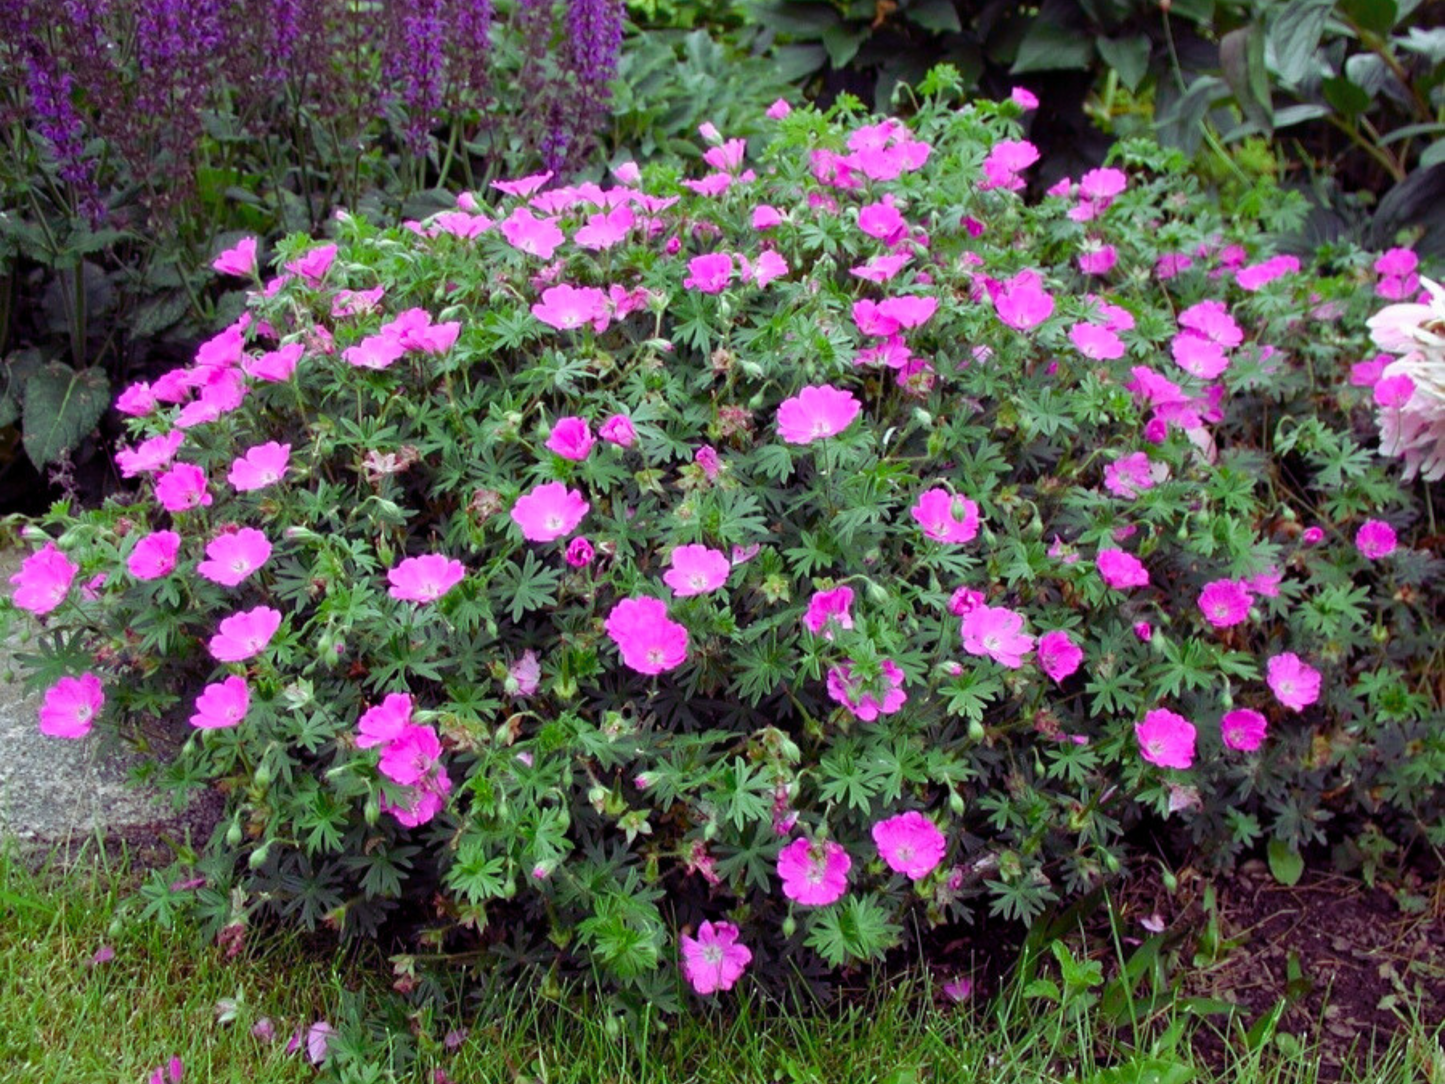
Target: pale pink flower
[
  {"x": 233, "y": 556},
  {"x": 44, "y": 580},
  {"x": 1098, "y": 343},
  {"x": 1166, "y": 739},
  {"x": 385, "y": 722},
  {"x": 70, "y": 706},
  {"x": 425, "y": 578},
  {"x": 778, "y": 110},
  {"x": 239, "y": 260},
  {"x": 996, "y": 632},
  {"x": 374, "y": 352},
  {"x": 648, "y": 641},
  {"x": 524, "y": 675},
  {"x": 765, "y": 217},
  {"x": 182, "y": 487},
  {"x": 571, "y": 438},
  {"x": 1128, "y": 476},
  {"x": 910, "y": 844},
  {"x": 825, "y": 607},
  {"x": 222, "y": 704},
  {"x": 523, "y": 186},
  {"x": 1375, "y": 539},
  {"x": 1211, "y": 320},
  {"x": 1243, "y": 729},
  {"x": 549, "y": 512},
  {"x": 769, "y": 266},
  {"x": 714, "y": 960},
  {"x": 1059, "y": 656},
  {"x": 579, "y": 552},
  {"x": 606, "y": 229},
  {"x": 535, "y": 236},
  {"x": 696, "y": 570},
  {"x": 150, "y": 455},
  {"x": 263, "y": 465},
  {"x": 318, "y": 1041},
  {"x": 1022, "y": 302},
  {"x": 709, "y": 274},
  {"x": 312, "y": 266},
  {"x": 245, "y": 635},
  {"x": 946, "y": 517},
  {"x": 154, "y": 555},
  {"x": 275, "y": 365},
  {"x": 814, "y": 874},
  {"x": 618, "y": 430},
  {"x": 859, "y": 699},
  {"x": 1120, "y": 570},
  {"x": 816, "y": 413},
  {"x": 1225, "y": 603},
  {"x": 567, "y": 307},
  {"x": 1265, "y": 583},
  {"x": 1294, "y": 682},
  {"x": 1198, "y": 356}
]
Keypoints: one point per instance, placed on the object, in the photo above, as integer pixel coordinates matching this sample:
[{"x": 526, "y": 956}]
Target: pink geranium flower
[
  {"x": 312, "y": 266},
  {"x": 1257, "y": 276},
  {"x": 411, "y": 755},
  {"x": 1121, "y": 570},
  {"x": 618, "y": 430},
  {"x": 946, "y": 517},
  {"x": 883, "y": 221},
  {"x": 183, "y": 487},
  {"x": 714, "y": 960},
  {"x": 696, "y": 570},
  {"x": 535, "y": 236},
  {"x": 579, "y": 552},
  {"x": 1243, "y": 729},
  {"x": 709, "y": 274},
  {"x": 239, "y": 260},
  {"x": 606, "y": 229},
  {"x": 384, "y": 723},
  {"x": 814, "y": 874},
  {"x": 137, "y": 400},
  {"x": 274, "y": 365},
  {"x": 567, "y": 307},
  {"x": 1005, "y": 161},
  {"x": 70, "y": 706},
  {"x": 44, "y": 580},
  {"x": 154, "y": 555},
  {"x": 374, "y": 352},
  {"x": 233, "y": 556},
  {"x": 425, "y": 578},
  {"x": 1211, "y": 320},
  {"x": 150, "y": 455},
  {"x": 768, "y": 266},
  {"x": 997, "y": 632},
  {"x": 1294, "y": 682},
  {"x": 816, "y": 413},
  {"x": 222, "y": 704},
  {"x": 423, "y": 802},
  {"x": 1128, "y": 476},
  {"x": 1198, "y": 356},
  {"x": 1166, "y": 739},
  {"x": 765, "y": 217},
  {"x": 907, "y": 310},
  {"x": 1225, "y": 603},
  {"x": 1375, "y": 539},
  {"x": 571, "y": 438},
  {"x": 1059, "y": 656},
  {"x": 1022, "y": 302},
  {"x": 548, "y": 512},
  {"x": 245, "y": 635},
  {"x": 1098, "y": 343},
  {"x": 263, "y": 465},
  {"x": 524, "y": 675},
  {"x": 827, "y": 607},
  {"x": 910, "y": 844},
  {"x": 648, "y": 642},
  {"x": 859, "y": 699}
]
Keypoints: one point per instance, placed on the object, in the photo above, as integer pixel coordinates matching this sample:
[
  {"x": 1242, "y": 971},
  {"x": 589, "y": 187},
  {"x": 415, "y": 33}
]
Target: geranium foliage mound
[{"x": 707, "y": 571}]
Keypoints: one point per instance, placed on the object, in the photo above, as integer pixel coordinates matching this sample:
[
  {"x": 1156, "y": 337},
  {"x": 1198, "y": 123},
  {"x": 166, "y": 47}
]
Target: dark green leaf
[
  {"x": 842, "y": 42},
  {"x": 1127, "y": 56},
  {"x": 1376, "y": 16},
  {"x": 1052, "y": 46},
  {"x": 1345, "y": 96},
  {"x": 1295, "y": 35},
  {"x": 940, "y": 16},
  {"x": 61, "y": 407},
  {"x": 1241, "y": 55}
]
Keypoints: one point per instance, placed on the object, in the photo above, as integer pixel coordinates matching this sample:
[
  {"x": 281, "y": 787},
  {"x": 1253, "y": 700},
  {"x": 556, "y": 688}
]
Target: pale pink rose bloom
[
  {"x": 222, "y": 704},
  {"x": 70, "y": 706},
  {"x": 535, "y": 236},
  {"x": 946, "y": 517},
  {"x": 312, "y": 266},
  {"x": 1166, "y": 739},
  {"x": 861, "y": 702},
  {"x": 263, "y": 465},
  {"x": 996, "y": 632},
  {"x": 1294, "y": 682},
  {"x": 549, "y": 512},
  {"x": 816, "y": 413},
  {"x": 44, "y": 580},
  {"x": 571, "y": 438},
  {"x": 425, "y": 578},
  {"x": 1059, "y": 656},
  {"x": 714, "y": 960},
  {"x": 910, "y": 844},
  {"x": 648, "y": 641},
  {"x": 1225, "y": 603},
  {"x": 618, "y": 430},
  {"x": 1022, "y": 302},
  {"x": 1120, "y": 570},
  {"x": 239, "y": 260},
  {"x": 814, "y": 875},
  {"x": 709, "y": 274},
  {"x": 154, "y": 555},
  {"x": 1375, "y": 539},
  {"x": 1129, "y": 476},
  {"x": 829, "y": 606},
  {"x": 149, "y": 455},
  {"x": 385, "y": 722},
  {"x": 233, "y": 556},
  {"x": 696, "y": 570},
  {"x": 1243, "y": 729},
  {"x": 567, "y": 307},
  {"x": 1098, "y": 343},
  {"x": 245, "y": 635}
]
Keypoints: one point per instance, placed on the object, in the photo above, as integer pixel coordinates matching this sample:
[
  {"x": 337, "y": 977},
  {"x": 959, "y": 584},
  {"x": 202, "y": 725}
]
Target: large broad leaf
[
  {"x": 1051, "y": 45},
  {"x": 1377, "y": 16},
  {"x": 1295, "y": 35},
  {"x": 940, "y": 16},
  {"x": 1129, "y": 57},
  {"x": 1241, "y": 55},
  {"x": 61, "y": 407}
]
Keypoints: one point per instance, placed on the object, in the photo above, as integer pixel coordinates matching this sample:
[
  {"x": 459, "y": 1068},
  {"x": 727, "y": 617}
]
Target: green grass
[{"x": 64, "y": 1019}]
